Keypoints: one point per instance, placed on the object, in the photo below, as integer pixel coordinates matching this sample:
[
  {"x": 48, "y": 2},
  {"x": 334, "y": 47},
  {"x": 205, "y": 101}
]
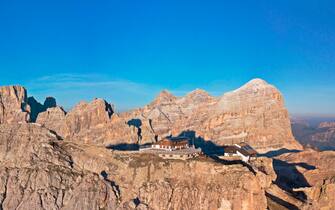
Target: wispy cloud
[
  {"x": 70, "y": 81},
  {"x": 69, "y": 89}
]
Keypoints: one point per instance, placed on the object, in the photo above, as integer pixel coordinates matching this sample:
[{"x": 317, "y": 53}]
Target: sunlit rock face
[
  {"x": 61, "y": 162},
  {"x": 80, "y": 122},
  {"x": 254, "y": 113},
  {"x": 53, "y": 118},
  {"x": 16, "y": 106},
  {"x": 13, "y": 104},
  {"x": 156, "y": 183},
  {"x": 36, "y": 173},
  {"x": 41, "y": 171}
]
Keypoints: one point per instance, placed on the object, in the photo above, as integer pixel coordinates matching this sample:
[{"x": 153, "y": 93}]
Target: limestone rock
[
  {"x": 39, "y": 171},
  {"x": 61, "y": 161},
  {"x": 254, "y": 113},
  {"x": 87, "y": 115},
  {"x": 312, "y": 176},
  {"x": 81, "y": 118},
  {"x": 36, "y": 173},
  {"x": 164, "y": 98},
  {"x": 13, "y": 104},
  {"x": 36, "y": 107},
  {"x": 53, "y": 119},
  {"x": 154, "y": 183},
  {"x": 25, "y": 144},
  {"x": 264, "y": 171}
]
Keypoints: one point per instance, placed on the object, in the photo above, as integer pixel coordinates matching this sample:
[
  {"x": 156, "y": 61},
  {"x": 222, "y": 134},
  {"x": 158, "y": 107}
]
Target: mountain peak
[
  {"x": 164, "y": 97},
  {"x": 257, "y": 81},
  {"x": 165, "y": 93},
  {"x": 198, "y": 91},
  {"x": 254, "y": 85},
  {"x": 198, "y": 95}
]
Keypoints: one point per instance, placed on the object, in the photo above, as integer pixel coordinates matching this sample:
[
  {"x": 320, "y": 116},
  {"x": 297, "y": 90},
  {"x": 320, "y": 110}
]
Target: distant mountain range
[{"x": 315, "y": 132}]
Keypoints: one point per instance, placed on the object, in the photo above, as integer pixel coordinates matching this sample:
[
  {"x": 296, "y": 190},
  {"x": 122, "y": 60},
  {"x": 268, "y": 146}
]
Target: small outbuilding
[
  {"x": 172, "y": 143},
  {"x": 172, "y": 148},
  {"x": 243, "y": 150}
]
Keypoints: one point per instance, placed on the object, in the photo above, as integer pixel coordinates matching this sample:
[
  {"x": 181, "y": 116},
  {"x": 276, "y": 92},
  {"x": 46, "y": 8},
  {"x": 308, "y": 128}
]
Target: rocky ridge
[
  {"x": 13, "y": 104},
  {"x": 41, "y": 171},
  {"x": 254, "y": 113},
  {"x": 61, "y": 161}
]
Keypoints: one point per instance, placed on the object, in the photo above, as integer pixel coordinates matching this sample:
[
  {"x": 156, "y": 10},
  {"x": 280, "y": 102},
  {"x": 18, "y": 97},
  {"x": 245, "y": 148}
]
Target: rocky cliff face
[
  {"x": 37, "y": 174},
  {"x": 310, "y": 174},
  {"x": 53, "y": 118},
  {"x": 16, "y": 106},
  {"x": 61, "y": 162},
  {"x": 13, "y": 104},
  {"x": 172, "y": 184},
  {"x": 254, "y": 113},
  {"x": 39, "y": 171},
  {"x": 36, "y": 108},
  {"x": 93, "y": 122}
]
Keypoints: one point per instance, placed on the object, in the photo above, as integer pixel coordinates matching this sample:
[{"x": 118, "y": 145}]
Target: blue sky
[{"x": 127, "y": 51}]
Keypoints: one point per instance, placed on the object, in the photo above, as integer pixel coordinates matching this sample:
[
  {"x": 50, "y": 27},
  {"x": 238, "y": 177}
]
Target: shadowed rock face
[
  {"x": 313, "y": 176},
  {"x": 15, "y": 106},
  {"x": 49, "y": 102},
  {"x": 36, "y": 108}
]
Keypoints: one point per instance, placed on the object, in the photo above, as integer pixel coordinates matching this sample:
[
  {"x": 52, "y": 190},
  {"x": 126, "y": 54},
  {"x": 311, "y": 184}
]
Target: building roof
[
  {"x": 247, "y": 149},
  {"x": 173, "y": 141},
  {"x": 243, "y": 148},
  {"x": 230, "y": 149}
]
